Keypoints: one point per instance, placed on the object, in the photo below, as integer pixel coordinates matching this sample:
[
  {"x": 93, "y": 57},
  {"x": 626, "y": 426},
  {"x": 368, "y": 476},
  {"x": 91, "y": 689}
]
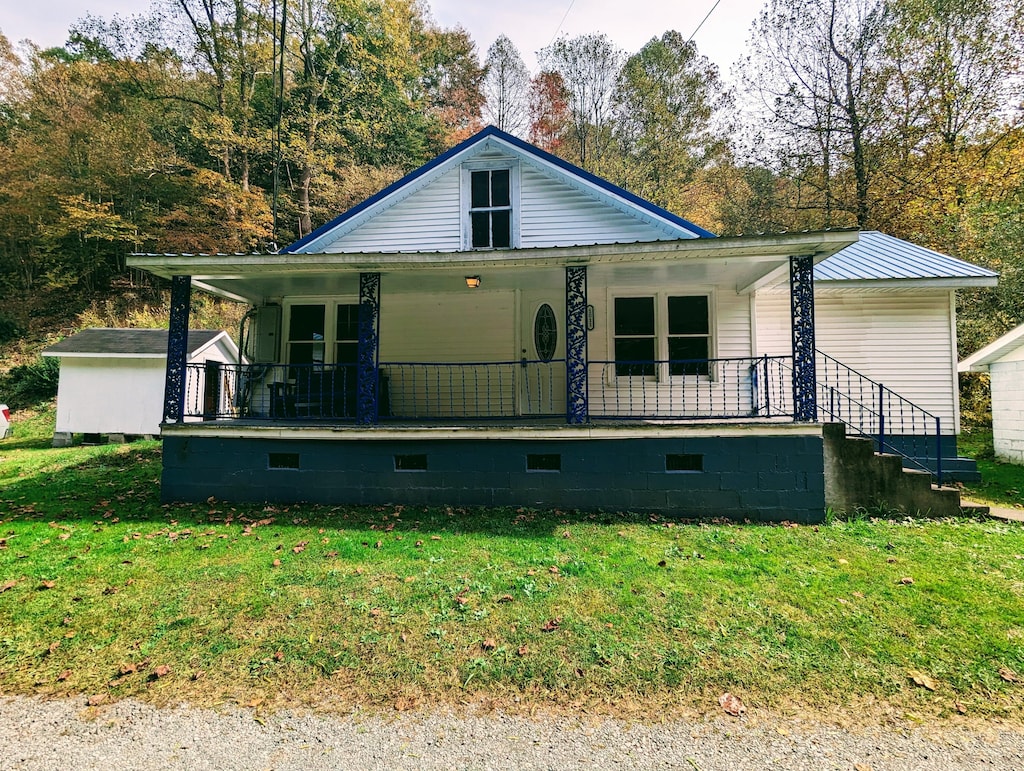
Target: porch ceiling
[{"x": 747, "y": 261}]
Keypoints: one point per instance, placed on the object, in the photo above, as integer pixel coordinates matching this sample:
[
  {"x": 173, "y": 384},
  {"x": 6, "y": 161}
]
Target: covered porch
[{"x": 646, "y": 332}]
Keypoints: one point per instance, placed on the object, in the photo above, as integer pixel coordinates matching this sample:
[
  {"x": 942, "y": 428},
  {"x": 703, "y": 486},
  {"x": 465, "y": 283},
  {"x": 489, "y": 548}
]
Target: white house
[
  {"x": 112, "y": 380},
  {"x": 1003, "y": 359},
  {"x": 501, "y": 327}
]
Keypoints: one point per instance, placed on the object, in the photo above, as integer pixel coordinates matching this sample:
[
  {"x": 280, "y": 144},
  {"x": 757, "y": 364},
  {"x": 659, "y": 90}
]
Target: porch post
[
  {"x": 369, "y": 324},
  {"x": 801, "y": 296},
  {"x": 576, "y": 407},
  {"x": 177, "y": 349}
]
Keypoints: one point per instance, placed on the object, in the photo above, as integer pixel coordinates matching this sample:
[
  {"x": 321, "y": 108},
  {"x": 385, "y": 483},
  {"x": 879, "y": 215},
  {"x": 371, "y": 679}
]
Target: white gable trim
[{"x": 994, "y": 351}]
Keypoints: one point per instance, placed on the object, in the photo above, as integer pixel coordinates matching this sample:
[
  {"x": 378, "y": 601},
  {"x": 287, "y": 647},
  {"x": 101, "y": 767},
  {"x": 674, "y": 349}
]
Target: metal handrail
[{"x": 871, "y": 409}]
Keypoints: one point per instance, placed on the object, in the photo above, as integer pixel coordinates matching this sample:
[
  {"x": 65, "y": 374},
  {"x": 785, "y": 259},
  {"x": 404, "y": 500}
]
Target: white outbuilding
[
  {"x": 112, "y": 380},
  {"x": 1003, "y": 359}
]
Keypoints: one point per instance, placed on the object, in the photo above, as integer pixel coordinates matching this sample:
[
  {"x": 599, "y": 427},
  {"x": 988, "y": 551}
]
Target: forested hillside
[{"x": 228, "y": 125}]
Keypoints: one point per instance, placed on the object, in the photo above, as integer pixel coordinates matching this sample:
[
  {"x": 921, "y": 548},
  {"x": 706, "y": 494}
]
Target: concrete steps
[{"x": 856, "y": 477}]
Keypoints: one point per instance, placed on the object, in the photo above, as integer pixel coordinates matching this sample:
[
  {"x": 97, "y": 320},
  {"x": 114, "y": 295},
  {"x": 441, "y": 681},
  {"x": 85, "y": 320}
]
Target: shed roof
[
  {"x": 877, "y": 256},
  {"x": 1006, "y": 345},
  {"x": 145, "y": 343}
]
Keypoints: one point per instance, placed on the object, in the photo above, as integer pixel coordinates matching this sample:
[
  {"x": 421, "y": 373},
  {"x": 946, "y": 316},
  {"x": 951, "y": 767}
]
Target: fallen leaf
[
  {"x": 54, "y": 646},
  {"x": 906, "y": 580},
  {"x": 435, "y": 538},
  {"x": 277, "y": 563},
  {"x": 842, "y": 561},
  {"x": 505, "y": 598},
  {"x": 489, "y": 644},
  {"x": 47, "y": 585},
  {"x": 8, "y": 585},
  {"x": 960, "y": 707},
  {"x": 1008, "y": 675},
  {"x": 553, "y": 569},
  {"x": 419, "y": 544},
  {"x": 96, "y": 699},
  {"x": 299, "y": 547},
  {"x": 861, "y": 767},
  {"x": 731, "y": 704},
  {"x": 161, "y": 670},
  {"x": 64, "y": 675},
  {"x": 375, "y": 612},
  {"x": 378, "y": 544},
  {"x": 461, "y": 600},
  {"x": 921, "y": 679},
  {"x": 279, "y": 656},
  {"x": 522, "y": 650},
  {"x": 551, "y": 625},
  {"x": 127, "y": 669}
]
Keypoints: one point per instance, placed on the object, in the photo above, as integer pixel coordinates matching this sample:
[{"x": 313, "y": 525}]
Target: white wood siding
[
  {"x": 728, "y": 391},
  {"x": 426, "y": 221},
  {"x": 1008, "y": 409},
  {"x": 456, "y": 328},
  {"x": 555, "y": 214},
  {"x": 551, "y": 213},
  {"x": 901, "y": 340}
]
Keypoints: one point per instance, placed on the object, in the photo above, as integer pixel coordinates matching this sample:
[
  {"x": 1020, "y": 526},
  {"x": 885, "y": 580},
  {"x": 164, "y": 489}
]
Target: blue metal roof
[
  {"x": 877, "y": 256},
  {"x": 524, "y": 147}
]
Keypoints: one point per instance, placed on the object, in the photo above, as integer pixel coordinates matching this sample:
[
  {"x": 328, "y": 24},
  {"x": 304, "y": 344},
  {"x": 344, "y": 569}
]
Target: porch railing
[
  {"x": 872, "y": 410},
  {"x": 680, "y": 389},
  {"x": 406, "y": 390}
]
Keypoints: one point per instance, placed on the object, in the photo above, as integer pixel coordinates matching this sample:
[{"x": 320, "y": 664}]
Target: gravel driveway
[{"x": 63, "y": 734}]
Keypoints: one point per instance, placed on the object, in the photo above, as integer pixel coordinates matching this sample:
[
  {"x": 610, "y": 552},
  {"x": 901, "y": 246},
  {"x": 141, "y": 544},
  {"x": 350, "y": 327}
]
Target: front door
[{"x": 542, "y": 353}]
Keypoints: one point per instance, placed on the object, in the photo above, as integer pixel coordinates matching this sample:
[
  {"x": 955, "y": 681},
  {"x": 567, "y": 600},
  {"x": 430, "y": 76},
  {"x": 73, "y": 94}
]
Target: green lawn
[
  {"x": 104, "y": 587},
  {"x": 1001, "y": 483}
]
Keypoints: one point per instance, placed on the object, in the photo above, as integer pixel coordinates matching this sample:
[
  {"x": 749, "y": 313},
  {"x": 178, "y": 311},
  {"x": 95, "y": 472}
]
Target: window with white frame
[
  {"x": 310, "y": 338},
  {"x": 661, "y": 328},
  {"x": 490, "y": 196}
]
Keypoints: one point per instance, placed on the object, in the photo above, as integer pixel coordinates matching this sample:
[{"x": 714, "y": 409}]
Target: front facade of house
[{"x": 500, "y": 328}]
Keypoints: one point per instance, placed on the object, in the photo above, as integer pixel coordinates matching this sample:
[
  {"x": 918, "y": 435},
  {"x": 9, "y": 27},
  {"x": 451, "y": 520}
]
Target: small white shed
[
  {"x": 112, "y": 380},
  {"x": 1003, "y": 359}
]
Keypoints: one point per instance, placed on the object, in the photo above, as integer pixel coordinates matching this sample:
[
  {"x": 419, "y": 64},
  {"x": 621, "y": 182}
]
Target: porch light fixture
[{"x": 473, "y": 282}]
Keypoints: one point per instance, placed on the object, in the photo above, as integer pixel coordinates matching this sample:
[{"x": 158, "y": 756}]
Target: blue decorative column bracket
[
  {"x": 805, "y": 381},
  {"x": 177, "y": 349},
  {"x": 368, "y": 357},
  {"x": 576, "y": 407}
]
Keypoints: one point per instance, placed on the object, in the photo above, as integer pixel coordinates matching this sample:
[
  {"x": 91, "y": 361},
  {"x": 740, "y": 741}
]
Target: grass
[
  {"x": 1002, "y": 483},
  {"x": 111, "y": 594}
]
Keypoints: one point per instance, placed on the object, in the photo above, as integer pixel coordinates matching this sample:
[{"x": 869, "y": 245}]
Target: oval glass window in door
[{"x": 545, "y": 333}]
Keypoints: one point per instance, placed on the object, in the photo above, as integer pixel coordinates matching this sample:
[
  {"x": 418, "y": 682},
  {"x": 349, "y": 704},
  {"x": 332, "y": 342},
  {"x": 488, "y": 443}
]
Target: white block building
[{"x": 1004, "y": 361}]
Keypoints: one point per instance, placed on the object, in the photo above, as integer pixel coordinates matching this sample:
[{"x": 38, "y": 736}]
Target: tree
[
  {"x": 589, "y": 67},
  {"x": 811, "y": 78},
  {"x": 506, "y": 88},
  {"x": 666, "y": 99},
  {"x": 549, "y": 111}
]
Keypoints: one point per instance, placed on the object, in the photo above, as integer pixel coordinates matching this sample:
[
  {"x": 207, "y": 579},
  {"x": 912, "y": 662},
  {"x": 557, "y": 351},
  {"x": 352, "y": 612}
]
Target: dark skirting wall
[{"x": 765, "y": 478}]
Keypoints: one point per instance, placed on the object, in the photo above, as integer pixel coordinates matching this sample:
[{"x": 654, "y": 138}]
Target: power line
[
  {"x": 564, "y": 17},
  {"x": 692, "y": 34}
]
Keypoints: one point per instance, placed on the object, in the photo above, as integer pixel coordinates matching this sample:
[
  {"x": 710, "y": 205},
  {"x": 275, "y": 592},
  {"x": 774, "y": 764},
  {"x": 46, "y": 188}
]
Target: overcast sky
[{"x": 531, "y": 24}]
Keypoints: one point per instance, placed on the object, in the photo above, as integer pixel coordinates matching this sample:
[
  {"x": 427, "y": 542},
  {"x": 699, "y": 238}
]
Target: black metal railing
[
  {"x": 406, "y": 390},
  {"x": 870, "y": 409},
  {"x": 681, "y": 389}
]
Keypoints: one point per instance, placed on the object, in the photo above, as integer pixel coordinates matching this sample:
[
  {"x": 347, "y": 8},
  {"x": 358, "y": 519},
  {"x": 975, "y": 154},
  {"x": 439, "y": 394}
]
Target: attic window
[{"x": 490, "y": 209}]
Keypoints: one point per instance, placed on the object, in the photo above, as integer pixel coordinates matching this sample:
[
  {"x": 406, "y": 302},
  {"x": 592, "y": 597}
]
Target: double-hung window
[
  {"x": 308, "y": 338},
  {"x": 490, "y": 192},
  {"x": 652, "y": 330}
]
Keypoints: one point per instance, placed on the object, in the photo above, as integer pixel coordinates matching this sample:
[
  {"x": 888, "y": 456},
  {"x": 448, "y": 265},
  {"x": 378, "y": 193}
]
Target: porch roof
[{"x": 254, "y": 277}]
